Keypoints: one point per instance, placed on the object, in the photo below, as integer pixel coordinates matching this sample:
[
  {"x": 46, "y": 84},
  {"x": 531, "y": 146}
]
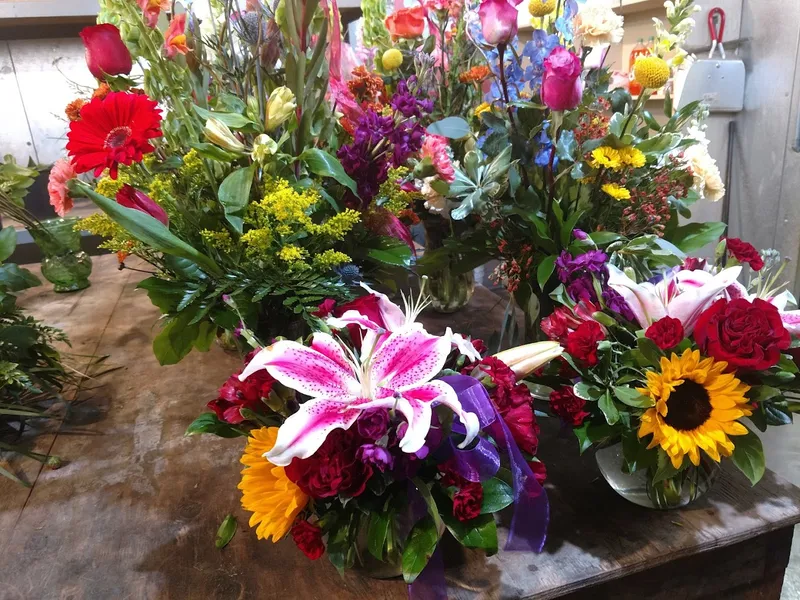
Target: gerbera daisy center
[
  {"x": 688, "y": 407},
  {"x": 118, "y": 137}
]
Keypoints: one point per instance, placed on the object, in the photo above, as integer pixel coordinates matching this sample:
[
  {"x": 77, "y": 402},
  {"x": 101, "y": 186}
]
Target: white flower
[
  {"x": 435, "y": 203},
  {"x": 707, "y": 179},
  {"x": 598, "y": 24}
]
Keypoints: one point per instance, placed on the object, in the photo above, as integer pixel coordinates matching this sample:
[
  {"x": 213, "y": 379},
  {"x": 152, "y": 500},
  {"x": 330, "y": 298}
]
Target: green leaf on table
[
  {"x": 694, "y": 236},
  {"x": 234, "y": 195},
  {"x": 454, "y": 128},
  {"x": 628, "y": 395},
  {"x": 323, "y": 164},
  {"x": 419, "y": 548},
  {"x": 208, "y": 422},
  {"x": 545, "y": 270},
  {"x": 8, "y": 242},
  {"x": 147, "y": 229},
  {"x": 377, "y": 531},
  {"x": 14, "y": 278},
  {"x": 21, "y": 336},
  {"x": 226, "y": 532},
  {"x": 748, "y": 456},
  {"x": 610, "y": 411},
  {"x": 497, "y": 494}
]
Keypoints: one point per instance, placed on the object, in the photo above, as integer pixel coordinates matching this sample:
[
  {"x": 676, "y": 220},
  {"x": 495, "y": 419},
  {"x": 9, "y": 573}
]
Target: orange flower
[
  {"x": 407, "y": 23},
  {"x": 73, "y": 109},
  {"x": 175, "y": 36},
  {"x": 102, "y": 91},
  {"x": 475, "y": 74},
  {"x": 366, "y": 86}
]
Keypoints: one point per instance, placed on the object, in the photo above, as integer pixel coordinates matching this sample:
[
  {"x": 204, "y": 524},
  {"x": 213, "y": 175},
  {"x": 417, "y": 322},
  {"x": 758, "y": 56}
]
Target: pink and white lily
[
  {"x": 397, "y": 375},
  {"x": 684, "y": 295},
  {"x": 395, "y": 319}
]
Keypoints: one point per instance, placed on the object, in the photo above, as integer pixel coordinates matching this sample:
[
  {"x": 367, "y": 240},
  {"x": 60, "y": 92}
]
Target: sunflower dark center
[
  {"x": 688, "y": 406},
  {"x": 118, "y": 136}
]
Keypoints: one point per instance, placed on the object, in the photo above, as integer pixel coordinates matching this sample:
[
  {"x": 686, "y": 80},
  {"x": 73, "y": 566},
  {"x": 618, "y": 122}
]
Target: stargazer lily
[
  {"x": 682, "y": 295},
  {"x": 395, "y": 375}
]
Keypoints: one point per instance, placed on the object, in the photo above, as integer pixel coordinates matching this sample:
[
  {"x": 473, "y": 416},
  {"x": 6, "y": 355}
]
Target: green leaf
[
  {"x": 163, "y": 293},
  {"x": 209, "y": 423},
  {"x": 234, "y": 195},
  {"x": 180, "y": 335},
  {"x": 610, "y": 411},
  {"x": 226, "y": 532},
  {"x": 21, "y": 336},
  {"x": 631, "y": 397},
  {"x": 748, "y": 456},
  {"x": 480, "y": 532},
  {"x": 419, "y": 548},
  {"x": 649, "y": 350},
  {"x": 566, "y": 147},
  {"x": 589, "y": 434},
  {"x": 14, "y": 278},
  {"x": 659, "y": 144},
  {"x": 694, "y": 236},
  {"x": 497, "y": 494},
  {"x": 602, "y": 238},
  {"x": 232, "y": 120},
  {"x": 8, "y": 242},
  {"x": 664, "y": 469},
  {"x": 147, "y": 229},
  {"x": 323, "y": 164},
  {"x": 454, "y": 128},
  {"x": 586, "y": 391},
  {"x": 545, "y": 270},
  {"x": 391, "y": 252},
  {"x": 214, "y": 152},
  {"x": 377, "y": 531}
]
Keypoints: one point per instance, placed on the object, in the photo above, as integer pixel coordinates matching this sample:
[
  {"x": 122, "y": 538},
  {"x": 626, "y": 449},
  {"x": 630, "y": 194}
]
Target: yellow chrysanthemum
[
  {"x": 697, "y": 407},
  {"x": 651, "y": 72},
  {"x": 605, "y": 156},
  {"x": 540, "y": 8},
  {"x": 633, "y": 157},
  {"x": 617, "y": 192},
  {"x": 273, "y": 498},
  {"x": 391, "y": 59},
  {"x": 482, "y": 108}
]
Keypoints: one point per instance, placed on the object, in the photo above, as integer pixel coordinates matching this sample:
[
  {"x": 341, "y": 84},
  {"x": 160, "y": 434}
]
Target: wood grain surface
[{"x": 134, "y": 511}]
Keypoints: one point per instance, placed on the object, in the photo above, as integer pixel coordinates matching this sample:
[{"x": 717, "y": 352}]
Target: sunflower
[
  {"x": 697, "y": 405},
  {"x": 267, "y": 492}
]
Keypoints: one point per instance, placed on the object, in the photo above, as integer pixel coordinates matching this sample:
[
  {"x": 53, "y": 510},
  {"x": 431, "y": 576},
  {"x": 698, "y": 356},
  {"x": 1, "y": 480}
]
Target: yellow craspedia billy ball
[
  {"x": 392, "y": 59},
  {"x": 540, "y": 8},
  {"x": 651, "y": 72}
]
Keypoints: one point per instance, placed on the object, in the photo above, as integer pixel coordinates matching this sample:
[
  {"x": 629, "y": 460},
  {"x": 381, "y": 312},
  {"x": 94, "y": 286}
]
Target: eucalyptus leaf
[{"x": 454, "y": 128}]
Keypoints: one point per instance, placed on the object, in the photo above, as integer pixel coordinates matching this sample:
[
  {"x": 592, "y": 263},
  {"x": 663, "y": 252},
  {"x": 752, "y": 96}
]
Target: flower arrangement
[
  {"x": 675, "y": 367},
  {"x": 371, "y": 438}
]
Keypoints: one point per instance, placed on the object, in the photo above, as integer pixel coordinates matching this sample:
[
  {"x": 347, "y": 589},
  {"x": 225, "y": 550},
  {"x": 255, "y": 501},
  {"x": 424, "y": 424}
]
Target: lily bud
[
  {"x": 280, "y": 106},
  {"x": 130, "y": 197},
  {"x": 106, "y": 53},
  {"x": 524, "y": 360},
  {"x": 218, "y": 133}
]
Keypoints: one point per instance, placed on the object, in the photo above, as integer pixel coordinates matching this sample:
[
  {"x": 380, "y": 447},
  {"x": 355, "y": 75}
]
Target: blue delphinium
[{"x": 536, "y": 50}]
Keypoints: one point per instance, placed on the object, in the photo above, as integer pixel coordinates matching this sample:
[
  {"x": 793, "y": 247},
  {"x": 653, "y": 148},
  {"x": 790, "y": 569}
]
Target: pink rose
[
  {"x": 498, "y": 21},
  {"x": 562, "y": 87}
]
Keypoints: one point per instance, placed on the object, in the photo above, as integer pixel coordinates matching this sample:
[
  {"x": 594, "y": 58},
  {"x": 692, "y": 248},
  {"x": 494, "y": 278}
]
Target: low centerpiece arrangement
[
  {"x": 673, "y": 378},
  {"x": 372, "y": 438}
]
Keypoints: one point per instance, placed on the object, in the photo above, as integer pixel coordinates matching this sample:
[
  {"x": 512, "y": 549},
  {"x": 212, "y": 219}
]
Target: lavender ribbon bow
[{"x": 531, "y": 509}]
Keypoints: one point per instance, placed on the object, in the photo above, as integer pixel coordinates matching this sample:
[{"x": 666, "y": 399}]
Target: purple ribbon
[{"x": 531, "y": 509}]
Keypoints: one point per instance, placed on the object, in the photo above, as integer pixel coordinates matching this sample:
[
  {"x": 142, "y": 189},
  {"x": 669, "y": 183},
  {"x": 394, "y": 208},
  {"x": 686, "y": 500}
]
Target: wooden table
[{"x": 134, "y": 511}]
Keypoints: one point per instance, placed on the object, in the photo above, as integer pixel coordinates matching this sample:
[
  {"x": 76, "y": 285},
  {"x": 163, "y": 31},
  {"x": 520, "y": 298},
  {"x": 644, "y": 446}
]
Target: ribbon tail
[{"x": 430, "y": 584}]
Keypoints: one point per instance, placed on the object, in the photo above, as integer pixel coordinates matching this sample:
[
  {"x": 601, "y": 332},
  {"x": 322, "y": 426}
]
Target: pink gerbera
[
  {"x": 60, "y": 174},
  {"x": 436, "y": 149},
  {"x": 113, "y": 130}
]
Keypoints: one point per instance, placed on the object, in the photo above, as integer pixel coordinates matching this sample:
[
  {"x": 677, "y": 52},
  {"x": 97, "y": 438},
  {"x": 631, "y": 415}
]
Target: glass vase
[
  {"x": 449, "y": 288},
  {"x": 640, "y": 488},
  {"x": 64, "y": 264}
]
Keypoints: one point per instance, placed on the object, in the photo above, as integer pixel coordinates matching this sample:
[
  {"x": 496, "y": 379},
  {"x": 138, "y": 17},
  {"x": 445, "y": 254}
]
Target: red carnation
[
  {"x": 563, "y": 320},
  {"x": 539, "y": 471},
  {"x": 235, "y": 395},
  {"x": 744, "y": 252},
  {"x": 334, "y": 469},
  {"x": 467, "y": 501},
  {"x": 106, "y": 53},
  {"x": 308, "y": 538},
  {"x": 667, "y": 332},
  {"x": 325, "y": 308},
  {"x": 568, "y": 406},
  {"x": 582, "y": 343},
  {"x": 745, "y": 334},
  {"x": 113, "y": 130}
]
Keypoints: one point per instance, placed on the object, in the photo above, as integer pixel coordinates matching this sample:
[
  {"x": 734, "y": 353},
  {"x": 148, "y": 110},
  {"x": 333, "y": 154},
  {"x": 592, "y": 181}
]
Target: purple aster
[{"x": 377, "y": 456}]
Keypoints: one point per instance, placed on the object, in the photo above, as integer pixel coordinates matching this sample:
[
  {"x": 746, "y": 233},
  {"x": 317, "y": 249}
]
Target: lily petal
[
  {"x": 791, "y": 321},
  {"x": 689, "y": 303},
  {"x": 306, "y": 370},
  {"x": 304, "y": 432},
  {"x": 647, "y": 307},
  {"x": 392, "y": 314},
  {"x": 409, "y": 357},
  {"x": 463, "y": 345}
]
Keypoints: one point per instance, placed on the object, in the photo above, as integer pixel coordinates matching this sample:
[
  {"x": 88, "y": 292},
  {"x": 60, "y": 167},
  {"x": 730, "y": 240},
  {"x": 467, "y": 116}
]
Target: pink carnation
[
  {"x": 60, "y": 174},
  {"x": 435, "y": 147}
]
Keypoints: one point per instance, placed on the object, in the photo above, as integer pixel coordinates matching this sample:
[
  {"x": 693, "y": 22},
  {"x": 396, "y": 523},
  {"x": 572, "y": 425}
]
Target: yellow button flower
[
  {"x": 617, "y": 192},
  {"x": 651, "y": 72},
  {"x": 540, "y": 8},
  {"x": 605, "y": 157},
  {"x": 392, "y": 59}
]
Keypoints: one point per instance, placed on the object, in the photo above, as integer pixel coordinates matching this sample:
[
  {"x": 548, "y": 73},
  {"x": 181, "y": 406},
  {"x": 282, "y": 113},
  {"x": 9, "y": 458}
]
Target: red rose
[
  {"x": 582, "y": 343},
  {"x": 744, "y": 252},
  {"x": 539, "y": 471},
  {"x": 667, "y": 332},
  {"x": 325, "y": 308},
  {"x": 407, "y": 23},
  {"x": 106, "y": 53},
  {"x": 467, "y": 501},
  {"x": 334, "y": 469},
  {"x": 500, "y": 373},
  {"x": 568, "y": 406},
  {"x": 308, "y": 538},
  {"x": 235, "y": 395},
  {"x": 744, "y": 334}
]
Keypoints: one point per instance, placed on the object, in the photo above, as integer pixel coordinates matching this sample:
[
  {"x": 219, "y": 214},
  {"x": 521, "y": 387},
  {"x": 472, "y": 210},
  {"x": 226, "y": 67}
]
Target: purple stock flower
[
  {"x": 406, "y": 102},
  {"x": 377, "y": 456},
  {"x": 615, "y": 302},
  {"x": 578, "y": 273},
  {"x": 373, "y": 424}
]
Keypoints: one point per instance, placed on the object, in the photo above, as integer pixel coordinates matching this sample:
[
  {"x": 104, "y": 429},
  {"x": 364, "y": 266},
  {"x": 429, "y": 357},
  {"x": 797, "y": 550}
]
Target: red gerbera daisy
[{"x": 113, "y": 130}]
